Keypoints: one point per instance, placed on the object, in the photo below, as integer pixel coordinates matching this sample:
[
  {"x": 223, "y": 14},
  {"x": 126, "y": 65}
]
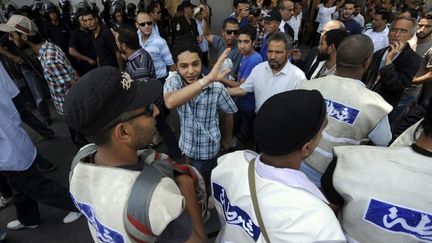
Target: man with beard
[
  {"x": 327, "y": 50},
  {"x": 313, "y": 61},
  {"x": 352, "y": 26},
  {"x": 273, "y": 76}
]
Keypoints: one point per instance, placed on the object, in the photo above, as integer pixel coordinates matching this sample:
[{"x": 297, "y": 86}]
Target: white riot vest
[
  {"x": 387, "y": 194},
  {"x": 289, "y": 214},
  {"x": 353, "y": 112},
  {"x": 409, "y": 136},
  {"x": 101, "y": 194}
]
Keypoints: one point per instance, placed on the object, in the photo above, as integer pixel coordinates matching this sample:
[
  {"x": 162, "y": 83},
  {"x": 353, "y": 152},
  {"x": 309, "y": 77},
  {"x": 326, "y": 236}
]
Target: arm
[
  {"x": 73, "y": 52},
  {"x": 8, "y": 54},
  {"x": 230, "y": 83},
  {"x": 177, "y": 98},
  {"x": 192, "y": 208},
  {"x": 206, "y": 28},
  {"x": 237, "y": 91},
  {"x": 427, "y": 77}
]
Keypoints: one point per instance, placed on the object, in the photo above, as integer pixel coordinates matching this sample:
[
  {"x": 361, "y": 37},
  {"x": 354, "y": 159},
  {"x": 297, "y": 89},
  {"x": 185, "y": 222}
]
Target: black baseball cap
[
  {"x": 104, "y": 93},
  {"x": 288, "y": 120},
  {"x": 273, "y": 15}
]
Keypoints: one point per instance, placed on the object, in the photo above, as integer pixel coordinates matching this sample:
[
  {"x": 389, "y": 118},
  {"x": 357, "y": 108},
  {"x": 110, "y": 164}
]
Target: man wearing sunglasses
[
  {"x": 155, "y": 45},
  {"x": 118, "y": 114}
]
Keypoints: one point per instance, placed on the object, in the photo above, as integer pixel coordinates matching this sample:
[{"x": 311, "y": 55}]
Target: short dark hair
[
  {"x": 349, "y": 2},
  {"x": 183, "y": 44},
  {"x": 413, "y": 12},
  {"x": 427, "y": 15},
  {"x": 353, "y": 51},
  {"x": 151, "y": 7},
  {"x": 129, "y": 36},
  {"x": 237, "y": 2},
  {"x": 280, "y": 36},
  {"x": 229, "y": 21},
  {"x": 248, "y": 30},
  {"x": 384, "y": 14},
  {"x": 427, "y": 122},
  {"x": 335, "y": 37}
]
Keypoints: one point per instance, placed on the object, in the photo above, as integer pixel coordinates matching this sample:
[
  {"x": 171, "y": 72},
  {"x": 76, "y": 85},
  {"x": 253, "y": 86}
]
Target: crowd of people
[{"x": 293, "y": 130}]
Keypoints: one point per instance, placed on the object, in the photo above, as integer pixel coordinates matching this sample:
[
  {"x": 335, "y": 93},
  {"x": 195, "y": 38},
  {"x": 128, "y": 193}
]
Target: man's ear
[
  {"x": 122, "y": 133},
  {"x": 307, "y": 149},
  {"x": 24, "y": 37}
]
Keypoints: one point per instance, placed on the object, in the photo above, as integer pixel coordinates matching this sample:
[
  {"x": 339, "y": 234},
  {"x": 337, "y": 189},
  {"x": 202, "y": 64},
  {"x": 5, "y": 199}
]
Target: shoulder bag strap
[{"x": 252, "y": 188}]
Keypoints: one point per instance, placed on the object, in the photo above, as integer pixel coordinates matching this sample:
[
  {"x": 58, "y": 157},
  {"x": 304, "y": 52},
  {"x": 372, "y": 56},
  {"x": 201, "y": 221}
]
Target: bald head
[
  {"x": 354, "y": 53},
  {"x": 332, "y": 25}
]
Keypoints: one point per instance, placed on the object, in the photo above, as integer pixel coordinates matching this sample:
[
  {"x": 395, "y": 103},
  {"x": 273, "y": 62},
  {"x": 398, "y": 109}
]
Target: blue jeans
[{"x": 205, "y": 168}]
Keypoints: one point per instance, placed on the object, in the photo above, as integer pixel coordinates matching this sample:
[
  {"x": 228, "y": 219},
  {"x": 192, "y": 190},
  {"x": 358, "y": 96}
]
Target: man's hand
[
  {"x": 217, "y": 73},
  {"x": 92, "y": 62},
  {"x": 394, "y": 50}
]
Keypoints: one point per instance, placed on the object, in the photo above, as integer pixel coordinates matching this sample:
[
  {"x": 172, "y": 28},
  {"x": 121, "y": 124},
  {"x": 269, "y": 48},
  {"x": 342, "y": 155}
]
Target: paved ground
[{"x": 60, "y": 151}]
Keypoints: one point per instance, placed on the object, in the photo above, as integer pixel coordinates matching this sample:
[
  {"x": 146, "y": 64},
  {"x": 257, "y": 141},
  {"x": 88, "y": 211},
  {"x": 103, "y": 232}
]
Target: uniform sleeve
[
  {"x": 225, "y": 102},
  {"x": 327, "y": 185},
  {"x": 110, "y": 41},
  {"x": 381, "y": 135}
]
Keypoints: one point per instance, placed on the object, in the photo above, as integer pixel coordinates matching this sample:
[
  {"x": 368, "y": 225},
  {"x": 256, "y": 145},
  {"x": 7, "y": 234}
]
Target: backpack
[{"x": 157, "y": 166}]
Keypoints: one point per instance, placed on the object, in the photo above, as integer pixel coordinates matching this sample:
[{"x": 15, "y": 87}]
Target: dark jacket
[{"x": 395, "y": 77}]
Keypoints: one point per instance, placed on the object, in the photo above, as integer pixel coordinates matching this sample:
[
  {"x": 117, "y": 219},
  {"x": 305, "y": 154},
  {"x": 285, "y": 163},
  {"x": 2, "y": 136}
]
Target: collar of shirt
[
  {"x": 285, "y": 70},
  {"x": 152, "y": 36},
  {"x": 42, "y": 49},
  {"x": 288, "y": 177},
  {"x": 135, "y": 54}
]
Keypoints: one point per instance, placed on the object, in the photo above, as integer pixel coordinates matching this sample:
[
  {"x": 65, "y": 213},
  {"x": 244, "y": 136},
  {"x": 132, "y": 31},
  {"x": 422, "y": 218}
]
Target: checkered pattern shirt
[
  {"x": 58, "y": 72},
  {"x": 199, "y": 118}
]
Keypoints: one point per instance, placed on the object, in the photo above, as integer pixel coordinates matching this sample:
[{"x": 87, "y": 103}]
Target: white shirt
[
  {"x": 17, "y": 151},
  {"x": 264, "y": 84},
  {"x": 324, "y": 15},
  {"x": 295, "y": 23},
  {"x": 360, "y": 19},
  {"x": 379, "y": 39}
]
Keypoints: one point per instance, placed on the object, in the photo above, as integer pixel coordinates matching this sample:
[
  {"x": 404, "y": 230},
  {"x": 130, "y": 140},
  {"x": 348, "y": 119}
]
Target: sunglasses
[
  {"x": 230, "y": 32},
  {"x": 148, "y": 111},
  {"x": 143, "y": 24}
]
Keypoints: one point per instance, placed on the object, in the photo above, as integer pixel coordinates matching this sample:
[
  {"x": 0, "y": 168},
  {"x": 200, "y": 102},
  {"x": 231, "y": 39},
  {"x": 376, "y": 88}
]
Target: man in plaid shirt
[
  {"x": 198, "y": 99},
  {"x": 57, "y": 69}
]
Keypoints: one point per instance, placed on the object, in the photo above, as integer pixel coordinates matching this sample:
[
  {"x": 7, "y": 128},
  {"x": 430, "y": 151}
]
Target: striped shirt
[
  {"x": 199, "y": 118},
  {"x": 159, "y": 51},
  {"x": 17, "y": 151},
  {"x": 58, "y": 72},
  {"x": 140, "y": 65}
]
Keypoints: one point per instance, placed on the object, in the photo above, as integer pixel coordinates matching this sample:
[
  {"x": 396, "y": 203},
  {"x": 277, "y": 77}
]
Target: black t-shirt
[
  {"x": 82, "y": 41},
  {"x": 183, "y": 27},
  {"x": 327, "y": 178},
  {"x": 59, "y": 35},
  {"x": 105, "y": 47}
]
